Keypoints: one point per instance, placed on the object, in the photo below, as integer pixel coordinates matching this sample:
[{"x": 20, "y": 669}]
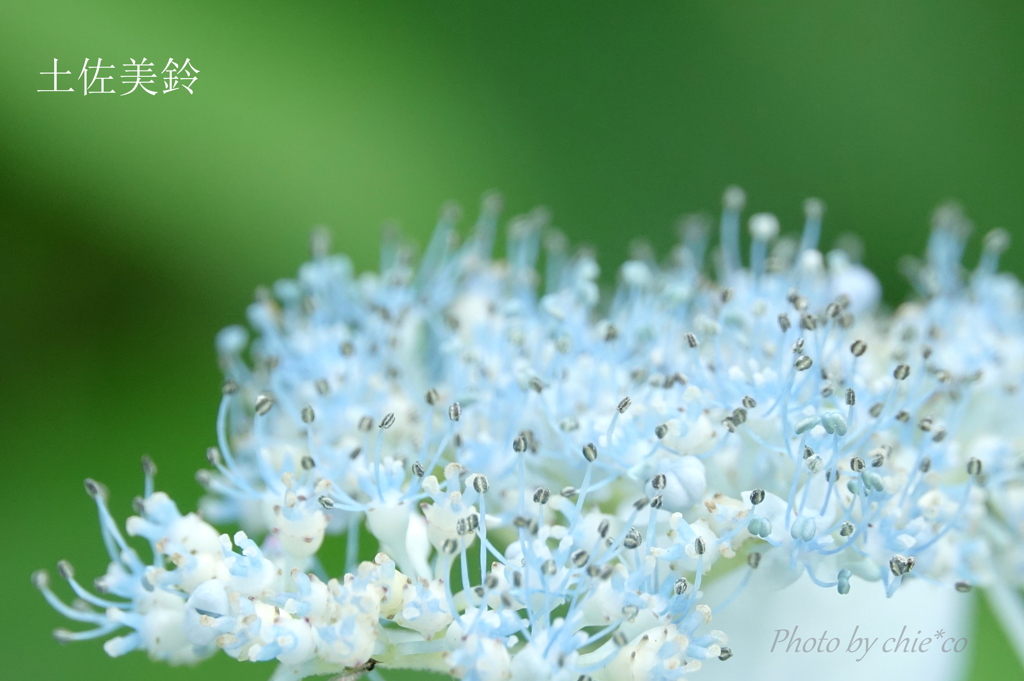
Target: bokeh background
[{"x": 133, "y": 228}]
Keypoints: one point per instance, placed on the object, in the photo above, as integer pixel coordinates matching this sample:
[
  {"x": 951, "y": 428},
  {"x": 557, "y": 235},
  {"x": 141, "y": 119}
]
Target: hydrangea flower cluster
[{"x": 551, "y": 474}]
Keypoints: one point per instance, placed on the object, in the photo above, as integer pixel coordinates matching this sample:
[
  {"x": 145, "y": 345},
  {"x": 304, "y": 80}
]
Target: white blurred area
[{"x": 752, "y": 619}]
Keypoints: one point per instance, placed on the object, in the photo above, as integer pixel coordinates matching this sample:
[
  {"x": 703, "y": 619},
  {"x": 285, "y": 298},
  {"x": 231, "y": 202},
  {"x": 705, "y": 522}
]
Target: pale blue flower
[{"x": 555, "y": 476}]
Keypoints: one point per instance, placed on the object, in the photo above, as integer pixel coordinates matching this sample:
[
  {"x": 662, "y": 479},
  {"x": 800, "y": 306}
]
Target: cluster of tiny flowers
[{"x": 550, "y": 474}]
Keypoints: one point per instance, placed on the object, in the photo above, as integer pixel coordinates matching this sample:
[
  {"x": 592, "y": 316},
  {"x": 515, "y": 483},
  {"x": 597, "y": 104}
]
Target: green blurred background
[{"x": 133, "y": 228}]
